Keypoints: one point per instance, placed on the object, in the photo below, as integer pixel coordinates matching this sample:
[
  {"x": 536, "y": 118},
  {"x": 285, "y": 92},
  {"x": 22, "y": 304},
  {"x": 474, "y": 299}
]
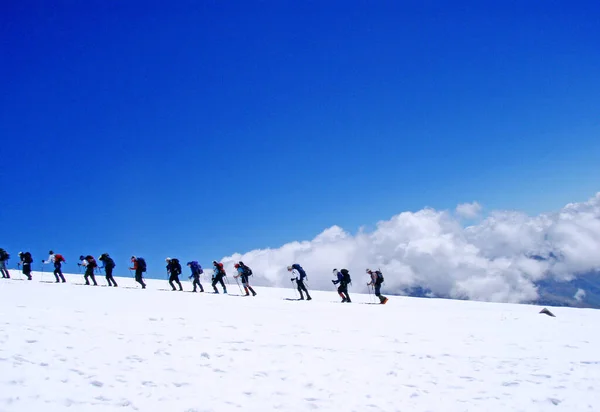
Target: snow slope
[{"x": 84, "y": 348}]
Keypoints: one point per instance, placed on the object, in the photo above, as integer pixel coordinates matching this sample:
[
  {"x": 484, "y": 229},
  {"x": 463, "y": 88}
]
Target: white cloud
[
  {"x": 468, "y": 210},
  {"x": 579, "y": 295},
  {"x": 499, "y": 259}
]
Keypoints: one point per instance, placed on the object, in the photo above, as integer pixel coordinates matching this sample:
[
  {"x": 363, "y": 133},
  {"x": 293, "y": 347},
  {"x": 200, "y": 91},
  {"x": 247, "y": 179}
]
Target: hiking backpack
[
  {"x": 379, "y": 277},
  {"x": 58, "y": 258},
  {"x": 301, "y": 271},
  {"x": 346, "y": 276},
  {"x": 220, "y": 270},
  {"x": 196, "y": 267},
  {"x": 4, "y": 255},
  {"x": 247, "y": 270},
  {"x": 109, "y": 262},
  {"x": 27, "y": 258},
  {"x": 91, "y": 261},
  {"x": 175, "y": 265},
  {"x": 141, "y": 264}
]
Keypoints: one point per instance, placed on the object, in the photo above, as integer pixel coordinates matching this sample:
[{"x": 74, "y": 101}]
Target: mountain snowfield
[{"x": 85, "y": 348}]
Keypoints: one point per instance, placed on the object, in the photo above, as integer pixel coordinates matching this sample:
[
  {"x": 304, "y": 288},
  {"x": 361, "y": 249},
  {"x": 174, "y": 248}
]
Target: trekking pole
[
  {"x": 238, "y": 283},
  {"x": 369, "y": 287},
  {"x": 42, "y": 274},
  {"x": 296, "y": 292}
]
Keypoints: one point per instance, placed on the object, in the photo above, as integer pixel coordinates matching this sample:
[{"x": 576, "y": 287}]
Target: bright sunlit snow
[{"x": 85, "y": 348}]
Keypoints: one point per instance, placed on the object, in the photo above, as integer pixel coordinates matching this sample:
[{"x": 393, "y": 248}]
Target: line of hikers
[{"x": 174, "y": 270}]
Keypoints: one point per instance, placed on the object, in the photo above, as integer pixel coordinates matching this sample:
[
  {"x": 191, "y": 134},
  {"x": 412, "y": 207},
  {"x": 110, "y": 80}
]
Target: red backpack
[
  {"x": 58, "y": 258},
  {"x": 91, "y": 261}
]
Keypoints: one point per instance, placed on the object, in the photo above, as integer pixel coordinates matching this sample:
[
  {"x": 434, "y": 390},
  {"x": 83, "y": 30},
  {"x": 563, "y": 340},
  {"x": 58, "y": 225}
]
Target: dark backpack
[
  {"x": 58, "y": 258},
  {"x": 379, "y": 277},
  {"x": 176, "y": 266},
  {"x": 247, "y": 270},
  {"x": 346, "y": 276},
  {"x": 141, "y": 264},
  {"x": 4, "y": 255},
  {"x": 27, "y": 258},
  {"x": 109, "y": 262},
  {"x": 91, "y": 261}
]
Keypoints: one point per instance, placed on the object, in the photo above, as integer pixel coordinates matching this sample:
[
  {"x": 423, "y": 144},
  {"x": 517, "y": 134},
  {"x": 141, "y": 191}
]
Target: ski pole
[
  {"x": 238, "y": 283},
  {"x": 296, "y": 291},
  {"x": 369, "y": 287},
  {"x": 42, "y": 274}
]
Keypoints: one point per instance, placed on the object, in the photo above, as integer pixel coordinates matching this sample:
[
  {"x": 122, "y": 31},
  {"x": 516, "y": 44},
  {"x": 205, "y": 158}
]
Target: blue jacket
[
  {"x": 340, "y": 278},
  {"x": 301, "y": 271}
]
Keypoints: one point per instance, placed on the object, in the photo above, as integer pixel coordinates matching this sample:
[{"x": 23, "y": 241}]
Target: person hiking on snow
[
  {"x": 376, "y": 281},
  {"x": 4, "y": 256},
  {"x": 343, "y": 278},
  {"x": 243, "y": 272},
  {"x": 139, "y": 265},
  {"x": 301, "y": 275},
  {"x": 174, "y": 270},
  {"x": 217, "y": 277},
  {"x": 196, "y": 271},
  {"x": 108, "y": 265},
  {"x": 89, "y": 263},
  {"x": 57, "y": 259},
  {"x": 26, "y": 261}
]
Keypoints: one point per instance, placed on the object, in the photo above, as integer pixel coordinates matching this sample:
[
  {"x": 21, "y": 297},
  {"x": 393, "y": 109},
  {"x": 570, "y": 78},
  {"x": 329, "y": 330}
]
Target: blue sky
[{"x": 200, "y": 129}]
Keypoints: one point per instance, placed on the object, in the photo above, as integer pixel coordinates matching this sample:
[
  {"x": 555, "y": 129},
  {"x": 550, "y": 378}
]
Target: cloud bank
[{"x": 499, "y": 259}]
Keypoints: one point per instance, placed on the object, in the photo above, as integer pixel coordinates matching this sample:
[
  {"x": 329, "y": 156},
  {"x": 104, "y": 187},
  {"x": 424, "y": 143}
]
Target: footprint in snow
[
  {"x": 205, "y": 355},
  {"x": 97, "y": 384}
]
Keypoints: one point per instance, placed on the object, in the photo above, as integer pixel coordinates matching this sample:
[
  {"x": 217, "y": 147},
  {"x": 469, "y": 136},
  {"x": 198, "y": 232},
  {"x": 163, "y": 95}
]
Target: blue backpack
[{"x": 195, "y": 266}]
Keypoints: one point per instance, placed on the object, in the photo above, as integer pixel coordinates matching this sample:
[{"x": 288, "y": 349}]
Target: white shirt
[{"x": 50, "y": 259}]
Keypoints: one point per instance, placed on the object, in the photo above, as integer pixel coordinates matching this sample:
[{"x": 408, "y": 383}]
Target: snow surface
[{"x": 85, "y": 348}]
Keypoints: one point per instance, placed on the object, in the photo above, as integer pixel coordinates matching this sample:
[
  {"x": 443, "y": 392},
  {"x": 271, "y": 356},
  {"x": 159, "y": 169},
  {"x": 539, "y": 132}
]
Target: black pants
[
  {"x": 109, "y": 276},
  {"x": 197, "y": 282},
  {"x": 218, "y": 279},
  {"x": 343, "y": 292},
  {"x": 302, "y": 287},
  {"x": 175, "y": 278},
  {"x": 89, "y": 273},
  {"x": 27, "y": 270},
  {"x": 58, "y": 272},
  {"x": 138, "y": 278}
]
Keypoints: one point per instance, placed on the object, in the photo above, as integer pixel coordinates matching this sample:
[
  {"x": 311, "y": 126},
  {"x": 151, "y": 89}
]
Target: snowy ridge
[{"x": 85, "y": 348}]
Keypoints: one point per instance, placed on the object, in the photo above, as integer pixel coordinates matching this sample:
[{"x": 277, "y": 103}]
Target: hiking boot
[
  {"x": 309, "y": 298},
  {"x": 384, "y": 301},
  {"x": 344, "y": 300}
]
